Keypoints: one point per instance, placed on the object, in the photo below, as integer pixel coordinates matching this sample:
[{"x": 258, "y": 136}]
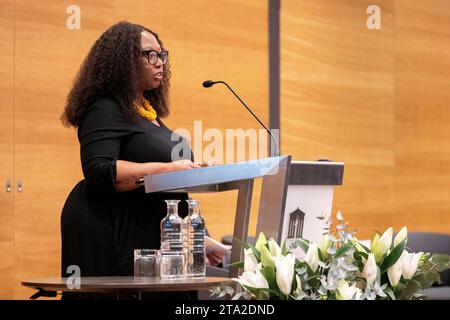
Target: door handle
[
  {"x": 8, "y": 186},
  {"x": 19, "y": 186}
]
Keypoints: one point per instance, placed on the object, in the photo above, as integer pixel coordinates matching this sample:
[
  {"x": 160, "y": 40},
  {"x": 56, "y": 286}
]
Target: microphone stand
[{"x": 209, "y": 83}]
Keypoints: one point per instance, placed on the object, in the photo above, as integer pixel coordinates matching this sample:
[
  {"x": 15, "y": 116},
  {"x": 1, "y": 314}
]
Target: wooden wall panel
[
  {"x": 375, "y": 99},
  {"x": 46, "y": 154},
  {"x": 422, "y": 114},
  {"x": 337, "y": 101},
  {"x": 205, "y": 41},
  {"x": 6, "y": 149}
]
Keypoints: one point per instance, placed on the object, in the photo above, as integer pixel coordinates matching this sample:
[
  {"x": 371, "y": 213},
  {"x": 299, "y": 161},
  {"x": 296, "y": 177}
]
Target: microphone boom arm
[{"x": 210, "y": 83}]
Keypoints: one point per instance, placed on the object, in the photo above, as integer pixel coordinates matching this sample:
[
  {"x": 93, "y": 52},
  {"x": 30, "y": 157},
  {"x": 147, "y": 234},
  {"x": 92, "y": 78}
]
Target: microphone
[{"x": 210, "y": 83}]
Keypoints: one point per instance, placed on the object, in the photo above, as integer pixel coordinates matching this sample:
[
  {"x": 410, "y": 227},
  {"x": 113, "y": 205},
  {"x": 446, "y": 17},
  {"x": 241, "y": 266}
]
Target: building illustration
[{"x": 296, "y": 222}]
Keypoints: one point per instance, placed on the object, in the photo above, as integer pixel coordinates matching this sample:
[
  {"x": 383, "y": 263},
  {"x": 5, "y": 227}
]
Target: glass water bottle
[
  {"x": 172, "y": 256},
  {"x": 195, "y": 231}
]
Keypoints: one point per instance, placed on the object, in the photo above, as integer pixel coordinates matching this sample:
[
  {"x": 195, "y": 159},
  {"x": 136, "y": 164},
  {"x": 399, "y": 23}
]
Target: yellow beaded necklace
[{"x": 147, "y": 111}]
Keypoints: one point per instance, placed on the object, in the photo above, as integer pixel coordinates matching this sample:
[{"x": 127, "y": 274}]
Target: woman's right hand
[{"x": 182, "y": 165}]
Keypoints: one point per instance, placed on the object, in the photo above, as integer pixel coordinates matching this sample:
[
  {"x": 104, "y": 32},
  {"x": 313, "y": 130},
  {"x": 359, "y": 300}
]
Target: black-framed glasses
[{"x": 152, "y": 56}]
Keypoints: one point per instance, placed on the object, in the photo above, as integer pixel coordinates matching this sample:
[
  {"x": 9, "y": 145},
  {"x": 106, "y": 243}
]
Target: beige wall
[{"x": 377, "y": 100}]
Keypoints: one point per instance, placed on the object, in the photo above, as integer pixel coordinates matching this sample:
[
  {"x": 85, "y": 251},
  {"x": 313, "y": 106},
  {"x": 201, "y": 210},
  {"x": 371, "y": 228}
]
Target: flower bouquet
[{"x": 338, "y": 268}]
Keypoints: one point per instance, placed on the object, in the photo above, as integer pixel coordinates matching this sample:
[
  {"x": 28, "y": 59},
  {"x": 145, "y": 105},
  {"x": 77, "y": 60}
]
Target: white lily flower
[
  {"x": 395, "y": 272},
  {"x": 401, "y": 235},
  {"x": 386, "y": 240},
  {"x": 324, "y": 244},
  {"x": 370, "y": 270},
  {"x": 250, "y": 262},
  {"x": 274, "y": 248},
  {"x": 346, "y": 292},
  {"x": 312, "y": 257},
  {"x": 285, "y": 272},
  {"x": 253, "y": 279},
  {"x": 410, "y": 262}
]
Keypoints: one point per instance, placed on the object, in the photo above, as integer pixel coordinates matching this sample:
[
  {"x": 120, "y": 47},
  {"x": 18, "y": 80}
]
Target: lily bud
[
  {"x": 370, "y": 270},
  {"x": 324, "y": 245},
  {"x": 250, "y": 261},
  {"x": 274, "y": 248},
  {"x": 266, "y": 257},
  {"x": 285, "y": 272},
  {"x": 346, "y": 292},
  {"x": 386, "y": 240},
  {"x": 261, "y": 241},
  {"x": 298, "y": 293},
  {"x": 377, "y": 248},
  {"x": 410, "y": 262},
  {"x": 395, "y": 272},
  {"x": 401, "y": 235},
  {"x": 312, "y": 257}
]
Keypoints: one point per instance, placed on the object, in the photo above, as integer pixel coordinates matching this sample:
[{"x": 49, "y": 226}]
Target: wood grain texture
[
  {"x": 46, "y": 154},
  {"x": 422, "y": 114},
  {"x": 6, "y": 149},
  {"x": 225, "y": 40},
  {"x": 375, "y": 99}
]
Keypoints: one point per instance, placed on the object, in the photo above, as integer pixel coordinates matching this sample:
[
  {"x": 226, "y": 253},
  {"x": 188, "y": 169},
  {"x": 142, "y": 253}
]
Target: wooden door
[{"x": 6, "y": 149}]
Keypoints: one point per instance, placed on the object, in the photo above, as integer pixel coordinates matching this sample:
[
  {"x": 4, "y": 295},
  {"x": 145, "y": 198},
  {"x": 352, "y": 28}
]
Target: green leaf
[
  {"x": 364, "y": 247},
  {"x": 320, "y": 255},
  {"x": 277, "y": 293},
  {"x": 269, "y": 273},
  {"x": 262, "y": 294},
  {"x": 247, "y": 245},
  {"x": 237, "y": 264},
  {"x": 342, "y": 250},
  {"x": 303, "y": 244},
  {"x": 442, "y": 261},
  {"x": 393, "y": 256},
  {"x": 390, "y": 293},
  {"x": 399, "y": 289},
  {"x": 284, "y": 249},
  {"x": 412, "y": 286},
  {"x": 359, "y": 255},
  {"x": 427, "y": 275}
]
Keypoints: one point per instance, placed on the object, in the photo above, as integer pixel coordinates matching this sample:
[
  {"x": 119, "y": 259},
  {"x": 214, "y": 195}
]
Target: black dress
[{"x": 100, "y": 227}]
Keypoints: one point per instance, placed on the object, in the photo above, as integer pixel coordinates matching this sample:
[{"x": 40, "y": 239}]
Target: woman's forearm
[{"x": 128, "y": 172}]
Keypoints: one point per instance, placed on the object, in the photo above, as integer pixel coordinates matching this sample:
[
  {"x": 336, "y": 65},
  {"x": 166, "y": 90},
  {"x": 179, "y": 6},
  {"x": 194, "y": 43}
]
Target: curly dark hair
[{"x": 112, "y": 69}]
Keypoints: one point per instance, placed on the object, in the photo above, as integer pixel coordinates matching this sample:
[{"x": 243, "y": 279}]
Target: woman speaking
[{"x": 117, "y": 101}]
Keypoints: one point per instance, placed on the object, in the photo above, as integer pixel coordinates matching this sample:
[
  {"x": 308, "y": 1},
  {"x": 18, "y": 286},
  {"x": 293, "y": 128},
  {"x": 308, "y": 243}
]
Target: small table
[{"x": 50, "y": 286}]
